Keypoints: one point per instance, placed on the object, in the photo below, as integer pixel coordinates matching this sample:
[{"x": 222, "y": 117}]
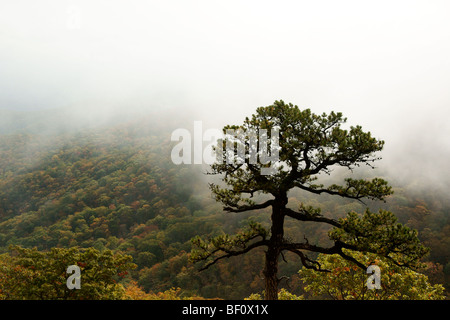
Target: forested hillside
[{"x": 115, "y": 187}]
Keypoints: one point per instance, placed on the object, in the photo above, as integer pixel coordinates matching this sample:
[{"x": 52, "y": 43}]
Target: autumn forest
[{"x": 112, "y": 196}]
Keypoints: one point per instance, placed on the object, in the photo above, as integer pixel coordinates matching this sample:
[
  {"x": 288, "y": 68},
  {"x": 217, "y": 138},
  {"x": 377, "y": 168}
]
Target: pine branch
[
  {"x": 231, "y": 253},
  {"x": 248, "y": 207},
  {"x": 302, "y": 216}
]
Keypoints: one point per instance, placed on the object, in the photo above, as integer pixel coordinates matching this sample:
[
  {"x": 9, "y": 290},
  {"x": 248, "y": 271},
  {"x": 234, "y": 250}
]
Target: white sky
[{"x": 384, "y": 64}]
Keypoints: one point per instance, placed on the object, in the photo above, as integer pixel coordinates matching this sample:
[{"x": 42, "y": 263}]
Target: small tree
[
  {"x": 308, "y": 145},
  {"x": 347, "y": 282}
]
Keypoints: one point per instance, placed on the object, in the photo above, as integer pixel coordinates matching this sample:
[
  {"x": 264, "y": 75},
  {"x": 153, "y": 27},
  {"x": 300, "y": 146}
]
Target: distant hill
[
  {"x": 114, "y": 186},
  {"x": 109, "y": 187}
]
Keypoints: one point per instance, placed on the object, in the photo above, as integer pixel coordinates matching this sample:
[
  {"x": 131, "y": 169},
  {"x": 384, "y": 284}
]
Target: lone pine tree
[{"x": 308, "y": 145}]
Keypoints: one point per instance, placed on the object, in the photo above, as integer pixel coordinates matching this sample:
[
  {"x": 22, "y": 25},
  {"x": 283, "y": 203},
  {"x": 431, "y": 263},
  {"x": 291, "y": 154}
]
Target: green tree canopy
[
  {"x": 346, "y": 281},
  {"x": 31, "y": 274}
]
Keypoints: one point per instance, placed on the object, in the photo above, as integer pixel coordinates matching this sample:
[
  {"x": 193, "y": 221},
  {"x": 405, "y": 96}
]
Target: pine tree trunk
[
  {"x": 270, "y": 275},
  {"x": 273, "y": 251}
]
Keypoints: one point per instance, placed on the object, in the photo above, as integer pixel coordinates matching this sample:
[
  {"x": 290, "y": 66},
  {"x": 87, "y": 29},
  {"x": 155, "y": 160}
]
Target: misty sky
[{"x": 384, "y": 64}]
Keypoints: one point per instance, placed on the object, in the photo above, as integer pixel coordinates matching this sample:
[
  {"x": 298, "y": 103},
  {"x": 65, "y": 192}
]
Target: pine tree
[{"x": 308, "y": 145}]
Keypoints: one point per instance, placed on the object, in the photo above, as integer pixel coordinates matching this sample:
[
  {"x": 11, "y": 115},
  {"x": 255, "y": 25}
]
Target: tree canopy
[
  {"x": 35, "y": 275},
  {"x": 346, "y": 281}
]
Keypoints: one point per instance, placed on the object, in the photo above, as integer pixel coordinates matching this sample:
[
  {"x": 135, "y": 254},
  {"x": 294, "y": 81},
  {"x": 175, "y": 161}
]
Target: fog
[{"x": 384, "y": 64}]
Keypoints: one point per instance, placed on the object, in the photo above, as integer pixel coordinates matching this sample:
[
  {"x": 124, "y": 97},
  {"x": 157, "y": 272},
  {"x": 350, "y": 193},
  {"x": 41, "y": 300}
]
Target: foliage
[
  {"x": 283, "y": 294},
  {"x": 380, "y": 233},
  {"x": 134, "y": 292},
  {"x": 346, "y": 281},
  {"x": 31, "y": 274}
]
